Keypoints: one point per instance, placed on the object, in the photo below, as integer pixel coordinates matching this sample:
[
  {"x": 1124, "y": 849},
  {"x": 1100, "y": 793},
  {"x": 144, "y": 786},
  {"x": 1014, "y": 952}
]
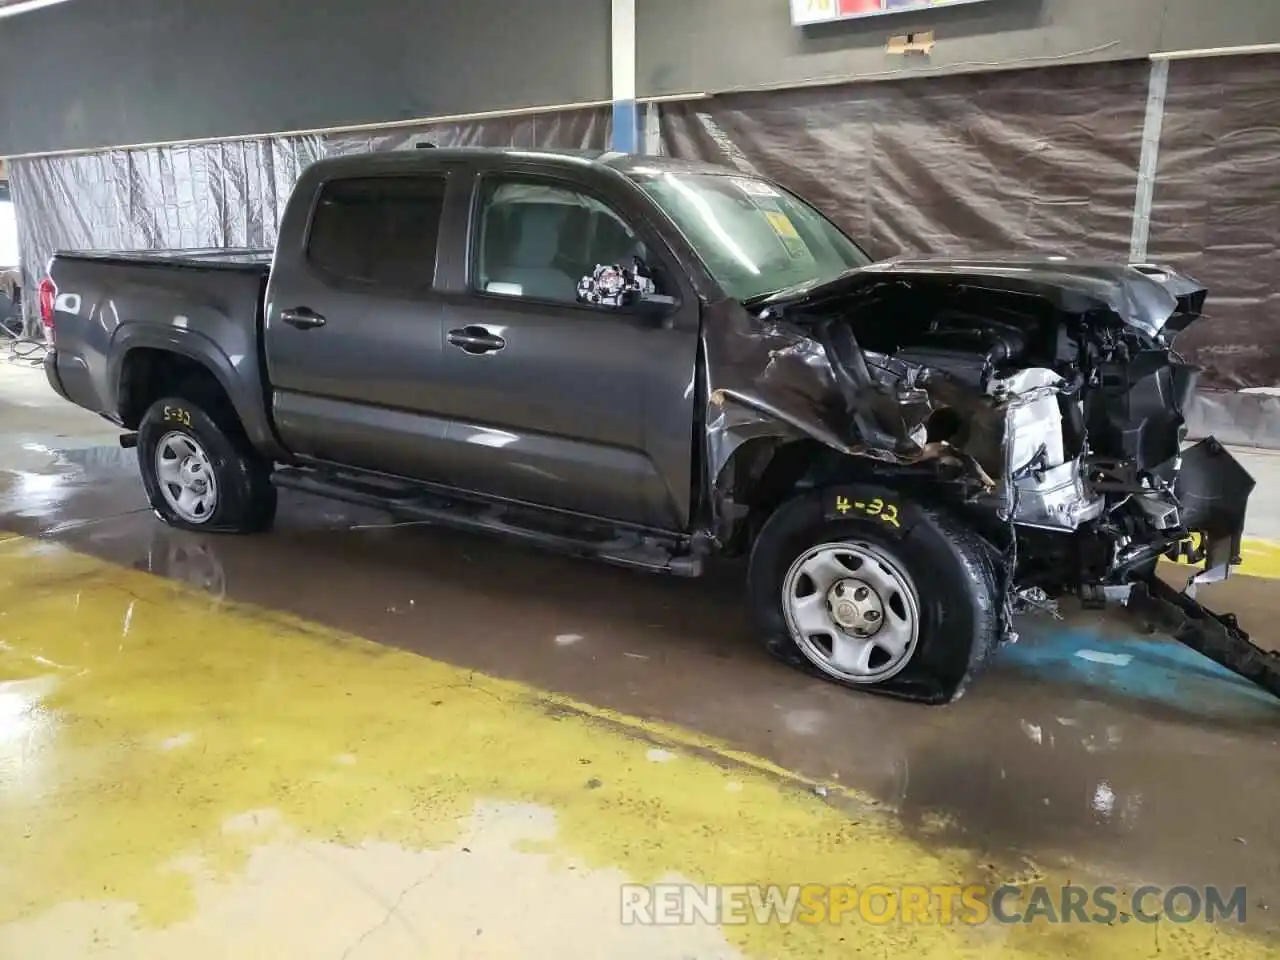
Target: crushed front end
[{"x": 1043, "y": 398}]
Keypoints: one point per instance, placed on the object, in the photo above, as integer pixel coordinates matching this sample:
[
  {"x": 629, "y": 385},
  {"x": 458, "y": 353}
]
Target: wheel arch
[{"x": 148, "y": 360}]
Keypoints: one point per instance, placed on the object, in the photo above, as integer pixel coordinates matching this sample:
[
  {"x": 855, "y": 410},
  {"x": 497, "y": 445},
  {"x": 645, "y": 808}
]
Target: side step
[
  {"x": 562, "y": 533},
  {"x": 1213, "y": 635}
]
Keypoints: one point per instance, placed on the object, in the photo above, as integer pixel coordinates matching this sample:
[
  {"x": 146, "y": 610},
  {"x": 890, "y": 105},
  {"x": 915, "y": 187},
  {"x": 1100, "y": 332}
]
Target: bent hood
[{"x": 1153, "y": 298}]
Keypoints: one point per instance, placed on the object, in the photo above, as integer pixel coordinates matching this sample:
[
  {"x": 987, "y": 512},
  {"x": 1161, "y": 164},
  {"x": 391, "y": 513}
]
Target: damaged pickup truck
[{"x": 652, "y": 363}]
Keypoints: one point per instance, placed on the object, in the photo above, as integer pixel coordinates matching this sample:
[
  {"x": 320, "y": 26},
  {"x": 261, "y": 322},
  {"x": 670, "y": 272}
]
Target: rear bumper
[{"x": 51, "y": 371}]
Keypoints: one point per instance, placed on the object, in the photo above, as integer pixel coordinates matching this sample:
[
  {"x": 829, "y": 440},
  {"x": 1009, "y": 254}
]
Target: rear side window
[{"x": 378, "y": 230}]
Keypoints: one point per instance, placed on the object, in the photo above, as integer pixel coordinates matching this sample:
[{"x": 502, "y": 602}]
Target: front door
[{"x": 557, "y": 402}]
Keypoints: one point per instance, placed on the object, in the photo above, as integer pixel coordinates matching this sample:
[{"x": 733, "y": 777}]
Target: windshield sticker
[
  {"x": 754, "y": 188},
  {"x": 792, "y": 242},
  {"x": 781, "y": 224}
]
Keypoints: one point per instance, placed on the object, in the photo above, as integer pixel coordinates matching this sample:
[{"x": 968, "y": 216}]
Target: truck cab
[{"x": 423, "y": 320}]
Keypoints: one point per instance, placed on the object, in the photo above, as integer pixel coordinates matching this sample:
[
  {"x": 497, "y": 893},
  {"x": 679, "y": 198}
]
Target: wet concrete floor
[{"x": 1090, "y": 750}]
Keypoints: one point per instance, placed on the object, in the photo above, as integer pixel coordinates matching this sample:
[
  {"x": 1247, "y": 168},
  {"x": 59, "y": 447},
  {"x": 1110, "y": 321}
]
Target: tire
[
  {"x": 243, "y": 499},
  {"x": 926, "y": 577}
]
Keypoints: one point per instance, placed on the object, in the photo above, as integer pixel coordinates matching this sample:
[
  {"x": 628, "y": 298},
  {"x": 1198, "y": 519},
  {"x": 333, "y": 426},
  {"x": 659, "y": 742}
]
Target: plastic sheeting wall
[
  {"x": 224, "y": 194},
  {"x": 1216, "y": 210}
]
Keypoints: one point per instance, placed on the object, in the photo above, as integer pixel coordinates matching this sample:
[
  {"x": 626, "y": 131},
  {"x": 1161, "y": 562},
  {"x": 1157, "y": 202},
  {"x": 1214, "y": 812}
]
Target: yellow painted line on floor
[
  {"x": 1259, "y": 558},
  {"x": 139, "y": 719}
]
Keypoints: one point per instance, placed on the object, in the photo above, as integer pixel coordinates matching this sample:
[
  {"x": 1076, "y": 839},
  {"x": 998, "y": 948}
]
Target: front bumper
[
  {"x": 1213, "y": 490},
  {"x": 51, "y": 372}
]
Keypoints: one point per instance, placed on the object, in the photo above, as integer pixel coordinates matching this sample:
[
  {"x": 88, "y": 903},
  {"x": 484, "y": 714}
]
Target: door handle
[
  {"x": 476, "y": 340},
  {"x": 303, "y": 318}
]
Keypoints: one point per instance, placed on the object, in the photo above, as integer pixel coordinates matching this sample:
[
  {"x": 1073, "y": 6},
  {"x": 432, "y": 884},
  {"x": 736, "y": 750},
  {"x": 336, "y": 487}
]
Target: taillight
[{"x": 48, "y": 294}]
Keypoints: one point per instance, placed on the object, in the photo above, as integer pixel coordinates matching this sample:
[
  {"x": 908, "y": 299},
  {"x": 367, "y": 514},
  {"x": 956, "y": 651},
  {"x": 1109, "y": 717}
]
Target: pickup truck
[{"x": 653, "y": 363}]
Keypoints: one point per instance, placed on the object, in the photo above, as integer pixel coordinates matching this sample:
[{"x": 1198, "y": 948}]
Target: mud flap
[{"x": 1216, "y": 636}]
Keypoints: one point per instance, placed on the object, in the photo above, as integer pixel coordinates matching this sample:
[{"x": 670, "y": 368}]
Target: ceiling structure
[{"x": 11, "y": 8}]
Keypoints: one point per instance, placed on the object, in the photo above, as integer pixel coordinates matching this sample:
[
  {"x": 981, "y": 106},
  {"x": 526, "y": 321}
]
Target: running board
[
  {"x": 1213, "y": 635},
  {"x": 597, "y": 540}
]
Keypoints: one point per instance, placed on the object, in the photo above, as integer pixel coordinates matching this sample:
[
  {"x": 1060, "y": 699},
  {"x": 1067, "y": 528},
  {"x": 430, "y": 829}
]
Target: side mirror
[{"x": 619, "y": 287}]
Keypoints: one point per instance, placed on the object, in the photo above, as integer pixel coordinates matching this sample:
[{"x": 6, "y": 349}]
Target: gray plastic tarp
[{"x": 224, "y": 194}]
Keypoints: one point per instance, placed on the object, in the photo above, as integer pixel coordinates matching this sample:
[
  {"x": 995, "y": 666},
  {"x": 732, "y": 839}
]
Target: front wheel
[
  {"x": 883, "y": 594},
  {"x": 201, "y": 473}
]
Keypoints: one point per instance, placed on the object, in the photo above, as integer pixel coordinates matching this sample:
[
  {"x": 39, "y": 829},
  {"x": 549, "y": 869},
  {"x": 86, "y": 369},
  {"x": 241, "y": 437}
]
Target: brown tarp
[
  {"x": 994, "y": 162},
  {"x": 1216, "y": 211}
]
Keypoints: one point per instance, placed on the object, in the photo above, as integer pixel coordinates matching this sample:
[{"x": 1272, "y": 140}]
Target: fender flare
[{"x": 249, "y": 405}]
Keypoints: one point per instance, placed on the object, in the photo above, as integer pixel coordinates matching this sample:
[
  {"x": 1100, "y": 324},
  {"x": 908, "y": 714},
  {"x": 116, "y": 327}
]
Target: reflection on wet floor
[{"x": 1088, "y": 744}]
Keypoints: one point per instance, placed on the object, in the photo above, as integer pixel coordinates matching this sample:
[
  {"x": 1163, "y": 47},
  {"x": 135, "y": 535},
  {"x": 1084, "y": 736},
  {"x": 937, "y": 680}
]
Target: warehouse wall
[
  {"x": 93, "y": 73},
  {"x": 720, "y": 45}
]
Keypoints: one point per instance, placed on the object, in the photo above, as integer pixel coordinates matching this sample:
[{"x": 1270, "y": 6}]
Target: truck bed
[{"x": 114, "y": 309}]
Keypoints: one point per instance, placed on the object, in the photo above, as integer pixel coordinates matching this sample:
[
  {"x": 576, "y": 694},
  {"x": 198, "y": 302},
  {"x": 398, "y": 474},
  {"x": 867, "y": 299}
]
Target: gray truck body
[{"x": 1036, "y": 396}]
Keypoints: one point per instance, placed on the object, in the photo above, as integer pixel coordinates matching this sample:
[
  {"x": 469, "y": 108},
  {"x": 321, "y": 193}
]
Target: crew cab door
[
  {"x": 556, "y": 402},
  {"x": 353, "y": 321}
]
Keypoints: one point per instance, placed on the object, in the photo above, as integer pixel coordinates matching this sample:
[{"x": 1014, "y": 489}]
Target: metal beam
[
  {"x": 627, "y": 126},
  {"x": 1148, "y": 162}
]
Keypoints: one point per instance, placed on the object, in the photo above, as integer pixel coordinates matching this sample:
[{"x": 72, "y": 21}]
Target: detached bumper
[
  {"x": 51, "y": 371},
  {"x": 1213, "y": 489},
  {"x": 1214, "y": 635}
]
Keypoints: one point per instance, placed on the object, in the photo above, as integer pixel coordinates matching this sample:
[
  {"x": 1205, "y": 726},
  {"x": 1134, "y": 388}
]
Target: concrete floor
[{"x": 355, "y": 739}]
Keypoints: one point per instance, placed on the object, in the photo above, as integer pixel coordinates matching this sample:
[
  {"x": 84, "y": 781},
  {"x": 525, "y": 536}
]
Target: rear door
[
  {"x": 557, "y": 402},
  {"x": 353, "y": 325}
]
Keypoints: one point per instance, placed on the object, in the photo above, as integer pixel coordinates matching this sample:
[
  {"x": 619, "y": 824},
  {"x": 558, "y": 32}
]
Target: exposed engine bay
[{"x": 1043, "y": 396}]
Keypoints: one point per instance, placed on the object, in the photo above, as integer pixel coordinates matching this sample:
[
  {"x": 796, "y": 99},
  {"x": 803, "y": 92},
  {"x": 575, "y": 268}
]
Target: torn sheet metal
[
  {"x": 1041, "y": 398},
  {"x": 771, "y": 375}
]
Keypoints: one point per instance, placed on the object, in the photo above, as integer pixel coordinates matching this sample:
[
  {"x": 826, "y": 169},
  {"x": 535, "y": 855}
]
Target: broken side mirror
[{"x": 618, "y": 286}]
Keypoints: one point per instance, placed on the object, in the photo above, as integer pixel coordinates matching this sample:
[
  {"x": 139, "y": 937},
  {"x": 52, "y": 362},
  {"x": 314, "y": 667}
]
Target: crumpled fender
[
  {"x": 767, "y": 379},
  {"x": 762, "y": 381}
]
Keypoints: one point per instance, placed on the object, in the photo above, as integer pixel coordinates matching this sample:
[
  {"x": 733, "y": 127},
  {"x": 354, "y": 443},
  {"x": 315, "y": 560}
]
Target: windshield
[{"x": 754, "y": 237}]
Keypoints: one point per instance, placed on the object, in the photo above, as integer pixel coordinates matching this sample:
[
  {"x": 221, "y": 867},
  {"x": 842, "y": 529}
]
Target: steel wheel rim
[
  {"x": 852, "y": 610},
  {"x": 185, "y": 474}
]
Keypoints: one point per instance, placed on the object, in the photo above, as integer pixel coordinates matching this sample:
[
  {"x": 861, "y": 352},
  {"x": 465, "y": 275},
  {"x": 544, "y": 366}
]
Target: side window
[
  {"x": 378, "y": 230},
  {"x": 543, "y": 242}
]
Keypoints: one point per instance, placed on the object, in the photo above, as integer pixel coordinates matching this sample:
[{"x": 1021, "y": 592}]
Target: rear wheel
[
  {"x": 903, "y": 601},
  {"x": 200, "y": 471}
]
